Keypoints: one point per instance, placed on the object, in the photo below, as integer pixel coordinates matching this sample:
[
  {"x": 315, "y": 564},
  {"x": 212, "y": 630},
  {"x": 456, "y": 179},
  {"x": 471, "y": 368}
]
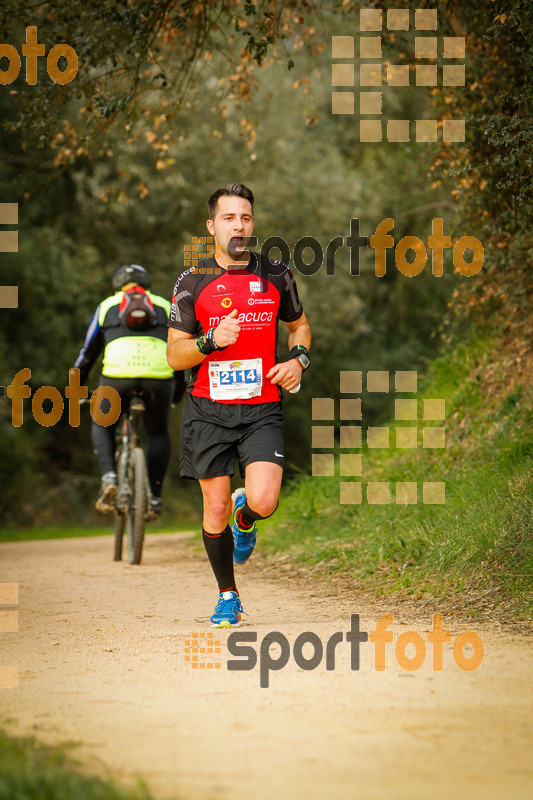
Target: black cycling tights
[{"x": 157, "y": 395}]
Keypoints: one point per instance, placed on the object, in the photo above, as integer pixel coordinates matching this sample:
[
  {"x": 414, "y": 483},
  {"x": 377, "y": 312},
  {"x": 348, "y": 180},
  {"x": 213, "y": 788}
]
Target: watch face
[{"x": 304, "y": 360}]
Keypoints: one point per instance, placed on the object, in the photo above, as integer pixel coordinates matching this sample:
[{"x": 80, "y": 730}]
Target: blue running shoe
[
  {"x": 243, "y": 539},
  {"x": 228, "y": 611}
]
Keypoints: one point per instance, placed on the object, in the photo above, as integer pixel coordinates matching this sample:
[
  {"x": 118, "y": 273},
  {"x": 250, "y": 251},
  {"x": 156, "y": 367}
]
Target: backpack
[{"x": 136, "y": 310}]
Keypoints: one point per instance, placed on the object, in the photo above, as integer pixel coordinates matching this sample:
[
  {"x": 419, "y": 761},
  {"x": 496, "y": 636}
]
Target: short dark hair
[{"x": 229, "y": 190}]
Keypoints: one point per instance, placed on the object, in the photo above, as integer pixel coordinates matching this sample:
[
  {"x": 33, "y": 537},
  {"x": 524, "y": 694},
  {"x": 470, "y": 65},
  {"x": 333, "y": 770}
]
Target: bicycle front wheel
[
  {"x": 136, "y": 513},
  {"x": 120, "y": 521}
]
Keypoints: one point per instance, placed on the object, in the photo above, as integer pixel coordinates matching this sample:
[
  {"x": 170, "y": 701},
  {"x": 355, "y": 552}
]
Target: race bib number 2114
[{"x": 235, "y": 380}]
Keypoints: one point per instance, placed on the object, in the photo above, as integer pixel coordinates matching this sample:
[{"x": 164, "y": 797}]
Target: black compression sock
[
  {"x": 242, "y": 520},
  {"x": 219, "y": 549},
  {"x": 246, "y": 517}
]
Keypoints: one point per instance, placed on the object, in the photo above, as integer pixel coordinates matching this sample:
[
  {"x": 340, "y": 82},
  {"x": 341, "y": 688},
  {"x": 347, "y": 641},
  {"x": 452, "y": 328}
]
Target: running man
[{"x": 223, "y": 324}]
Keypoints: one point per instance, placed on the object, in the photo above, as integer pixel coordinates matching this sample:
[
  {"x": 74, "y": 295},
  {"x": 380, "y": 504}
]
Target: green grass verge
[
  {"x": 33, "y": 771},
  {"x": 50, "y": 532},
  {"x": 181, "y": 512},
  {"x": 73, "y": 532},
  {"x": 479, "y": 541}
]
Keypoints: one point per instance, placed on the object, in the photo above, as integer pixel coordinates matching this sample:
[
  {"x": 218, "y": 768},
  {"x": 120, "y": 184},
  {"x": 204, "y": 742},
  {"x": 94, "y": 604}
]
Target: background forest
[{"x": 173, "y": 99}]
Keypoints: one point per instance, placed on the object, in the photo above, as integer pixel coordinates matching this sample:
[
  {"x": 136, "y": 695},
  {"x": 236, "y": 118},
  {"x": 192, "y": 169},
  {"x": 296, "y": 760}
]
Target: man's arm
[
  {"x": 92, "y": 347},
  {"x": 181, "y": 350},
  {"x": 181, "y": 346},
  {"x": 299, "y": 333},
  {"x": 288, "y": 374}
]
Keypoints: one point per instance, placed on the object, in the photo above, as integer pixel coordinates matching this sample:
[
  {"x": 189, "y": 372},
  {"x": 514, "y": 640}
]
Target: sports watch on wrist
[
  {"x": 206, "y": 344},
  {"x": 301, "y": 354}
]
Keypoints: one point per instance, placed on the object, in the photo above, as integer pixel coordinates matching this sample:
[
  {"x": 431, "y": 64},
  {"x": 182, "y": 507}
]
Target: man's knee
[
  {"x": 217, "y": 508},
  {"x": 263, "y": 503}
]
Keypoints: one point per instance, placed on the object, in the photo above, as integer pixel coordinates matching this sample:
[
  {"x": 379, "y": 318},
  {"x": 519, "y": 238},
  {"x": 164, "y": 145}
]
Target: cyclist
[
  {"x": 133, "y": 361},
  {"x": 223, "y": 325}
]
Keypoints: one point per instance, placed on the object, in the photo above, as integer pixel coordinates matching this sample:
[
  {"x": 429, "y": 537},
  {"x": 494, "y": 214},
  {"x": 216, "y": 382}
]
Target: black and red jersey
[{"x": 263, "y": 292}]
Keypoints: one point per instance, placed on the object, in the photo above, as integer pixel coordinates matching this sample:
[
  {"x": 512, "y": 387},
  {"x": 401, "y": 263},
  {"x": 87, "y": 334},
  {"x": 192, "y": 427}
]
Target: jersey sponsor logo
[
  {"x": 254, "y": 301},
  {"x": 255, "y": 316},
  {"x": 257, "y": 286},
  {"x": 226, "y": 302},
  {"x": 189, "y": 271},
  {"x": 249, "y": 316},
  {"x": 175, "y": 314},
  {"x": 221, "y": 289}
]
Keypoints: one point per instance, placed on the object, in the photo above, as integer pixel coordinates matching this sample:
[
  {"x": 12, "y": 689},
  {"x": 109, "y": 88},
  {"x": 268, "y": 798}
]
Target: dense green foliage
[
  {"x": 493, "y": 173},
  {"x": 175, "y": 98}
]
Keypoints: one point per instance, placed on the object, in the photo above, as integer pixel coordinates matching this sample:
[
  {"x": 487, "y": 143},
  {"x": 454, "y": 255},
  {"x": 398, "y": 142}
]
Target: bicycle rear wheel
[
  {"x": 120, "y": 519},
  {"x": 136, "y": 513}
]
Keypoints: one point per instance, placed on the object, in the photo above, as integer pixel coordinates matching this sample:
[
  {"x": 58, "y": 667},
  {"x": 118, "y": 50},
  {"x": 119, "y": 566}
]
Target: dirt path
[{"x": 101, "y": 657}]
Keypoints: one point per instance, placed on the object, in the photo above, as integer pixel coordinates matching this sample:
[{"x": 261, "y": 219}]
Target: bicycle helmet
[{"x": 131, "y": 273}]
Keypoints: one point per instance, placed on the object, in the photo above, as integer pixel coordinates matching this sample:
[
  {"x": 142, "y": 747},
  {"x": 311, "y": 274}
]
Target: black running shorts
[{"x": 214, "y": 434}]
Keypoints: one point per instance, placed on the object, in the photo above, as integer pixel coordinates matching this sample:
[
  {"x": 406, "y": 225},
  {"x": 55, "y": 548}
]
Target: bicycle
[{"x": 132, "y": 501}]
